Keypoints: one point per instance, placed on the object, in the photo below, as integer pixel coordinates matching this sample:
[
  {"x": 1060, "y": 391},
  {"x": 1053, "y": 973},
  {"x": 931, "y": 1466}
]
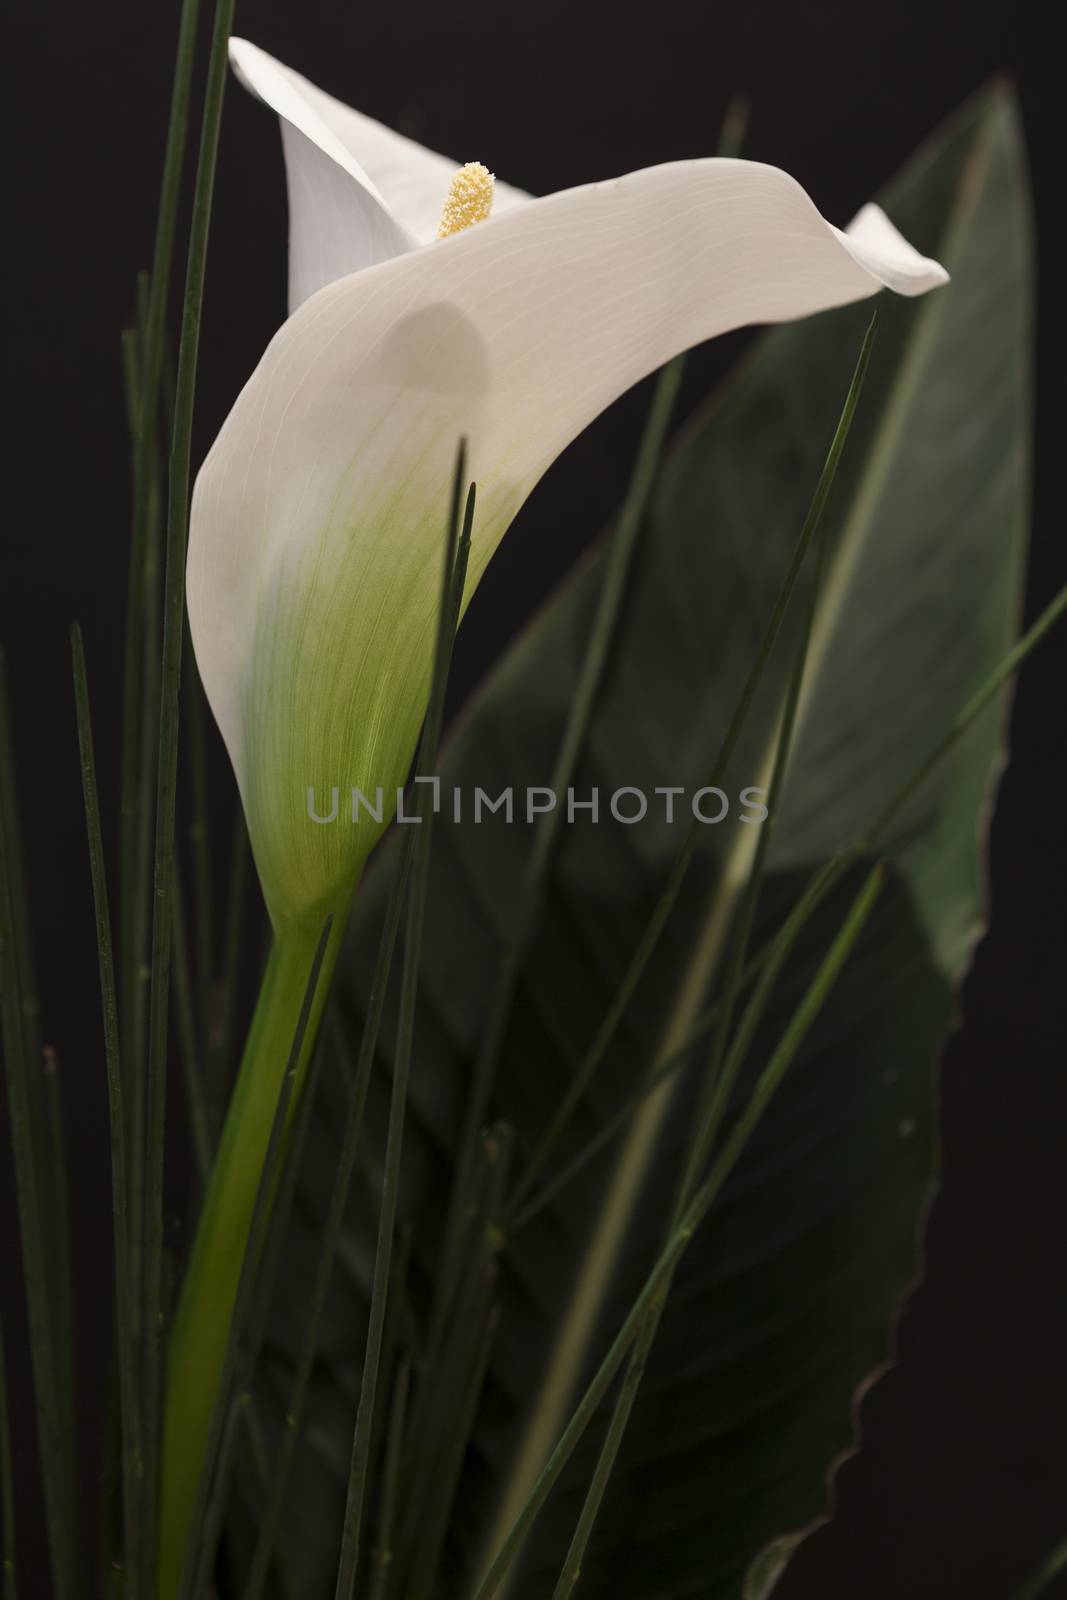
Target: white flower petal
[
  {"x": 319, "y": 514},
  {"x": 883, "y": 250},
  {"x": 338, "y": 219},
  {"x": 358, "y": 192}
]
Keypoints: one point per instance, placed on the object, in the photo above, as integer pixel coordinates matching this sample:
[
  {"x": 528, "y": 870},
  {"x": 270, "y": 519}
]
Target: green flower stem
[{"x": 201, "y": 1326}]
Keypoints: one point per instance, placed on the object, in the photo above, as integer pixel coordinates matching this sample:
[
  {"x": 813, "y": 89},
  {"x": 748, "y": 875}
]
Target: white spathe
[
  {"x": 358, "y": 192},
  {"x": 319, "y": 515}
]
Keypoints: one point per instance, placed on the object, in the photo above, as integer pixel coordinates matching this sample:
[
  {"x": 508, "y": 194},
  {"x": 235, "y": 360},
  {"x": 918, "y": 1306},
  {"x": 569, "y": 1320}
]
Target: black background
[{"x": 960, "y": 1485}]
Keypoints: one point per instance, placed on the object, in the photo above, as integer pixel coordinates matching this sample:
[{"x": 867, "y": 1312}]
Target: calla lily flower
[
  {"x": 426, "y": 305},
  {"x": 318, "y": 516}
]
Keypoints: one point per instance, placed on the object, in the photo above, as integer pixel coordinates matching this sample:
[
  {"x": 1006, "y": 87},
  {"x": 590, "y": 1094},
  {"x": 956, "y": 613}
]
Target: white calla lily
[{"x": 318, "y": 516}]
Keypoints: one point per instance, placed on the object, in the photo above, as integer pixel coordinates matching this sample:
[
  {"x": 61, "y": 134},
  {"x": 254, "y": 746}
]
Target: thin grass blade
[
  {"x": 719, "y": 1079},
  {"x": 1039, "y": 1585},
  {"x": 457, "y": 550},
  {"x": 32, "y": 1181},
  {"x": 662, "y": 911},
  {"x": 125, "y": 1351},
  {"x": 525, "y": 912},
  {"x": 167, "y": 774},
  {"x": 221, "y": 1025},
  {"x": 7, "y": 1484},
  {"x": 189, "y": 1041},
  {"x": 143, "y": 409},
  {"x": 382, "y": 1555}
]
